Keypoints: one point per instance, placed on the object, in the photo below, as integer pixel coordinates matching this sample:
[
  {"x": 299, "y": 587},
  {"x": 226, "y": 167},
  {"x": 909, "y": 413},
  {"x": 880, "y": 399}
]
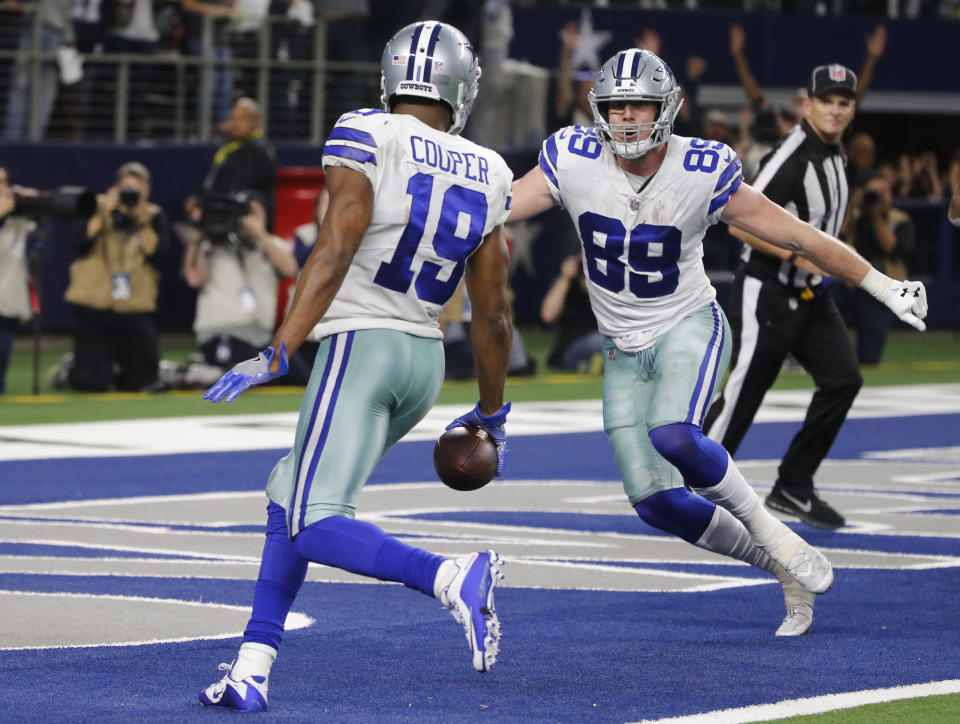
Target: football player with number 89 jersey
[
  {"x": 642, "y": 199},
  {"x": 413, "y": 210}
]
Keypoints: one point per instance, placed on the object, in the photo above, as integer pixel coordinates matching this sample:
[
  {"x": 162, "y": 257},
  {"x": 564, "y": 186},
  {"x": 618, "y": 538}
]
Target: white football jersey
[
  {"x": 435, "y": 198},
  {"x": 642, "y": 252}
]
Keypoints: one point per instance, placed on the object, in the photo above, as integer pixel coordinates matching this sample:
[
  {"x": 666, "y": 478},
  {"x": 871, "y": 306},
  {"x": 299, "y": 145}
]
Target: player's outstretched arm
[
  {"x": 531, "y": 196},
  {"x": 751, "y": 211},
  {"x": 491, "y": 331},
  {"x": 351, "y": 206}
]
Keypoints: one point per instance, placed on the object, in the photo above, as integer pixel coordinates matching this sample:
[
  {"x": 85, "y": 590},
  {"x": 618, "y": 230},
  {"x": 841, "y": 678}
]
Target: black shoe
[{"x": 809, "y": 508}]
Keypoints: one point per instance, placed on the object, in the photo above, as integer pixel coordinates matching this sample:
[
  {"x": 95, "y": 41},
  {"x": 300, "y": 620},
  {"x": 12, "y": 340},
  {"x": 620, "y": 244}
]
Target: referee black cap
[{"x": 833, "y": 77}]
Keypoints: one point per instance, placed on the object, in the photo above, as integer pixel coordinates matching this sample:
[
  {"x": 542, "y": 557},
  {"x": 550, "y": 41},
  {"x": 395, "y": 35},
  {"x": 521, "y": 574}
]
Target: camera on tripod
[
  {"x": 222, "y": 213},
  {"x": 67, "y": 202}
]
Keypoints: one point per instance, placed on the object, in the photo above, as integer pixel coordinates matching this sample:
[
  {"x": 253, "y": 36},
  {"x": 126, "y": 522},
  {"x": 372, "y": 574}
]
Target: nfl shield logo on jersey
[
  {"x": 634, "y": 204},
  {"x": 838, "y": 73}
]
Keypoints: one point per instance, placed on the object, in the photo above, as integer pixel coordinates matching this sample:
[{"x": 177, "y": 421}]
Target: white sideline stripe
[
  {"x": 294, "y": 620},
  {"x": 814, "y": 705}
]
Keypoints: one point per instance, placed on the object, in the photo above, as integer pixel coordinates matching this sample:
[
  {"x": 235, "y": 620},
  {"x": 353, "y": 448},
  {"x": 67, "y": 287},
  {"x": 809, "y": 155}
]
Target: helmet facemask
[{"x": 635, "y": 76}]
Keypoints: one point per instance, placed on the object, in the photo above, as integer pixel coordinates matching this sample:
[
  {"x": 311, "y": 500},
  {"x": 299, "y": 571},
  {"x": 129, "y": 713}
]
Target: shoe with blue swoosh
[
  {"x": 469, "y": 597},
  {"x": 246, "y": 696}
]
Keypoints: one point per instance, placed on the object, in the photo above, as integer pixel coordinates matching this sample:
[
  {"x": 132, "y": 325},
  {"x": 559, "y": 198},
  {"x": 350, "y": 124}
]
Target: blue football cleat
[
  {"x": 248, "y": 695},
  {"x": 469, "y": 597}
]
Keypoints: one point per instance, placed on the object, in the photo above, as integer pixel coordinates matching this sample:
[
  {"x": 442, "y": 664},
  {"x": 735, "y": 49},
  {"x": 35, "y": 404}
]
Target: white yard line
[{"x": 275, "y": 431}]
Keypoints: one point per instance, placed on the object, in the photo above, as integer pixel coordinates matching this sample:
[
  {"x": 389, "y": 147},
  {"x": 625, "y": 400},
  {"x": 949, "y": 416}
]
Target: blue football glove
[
  {"x": 493, "y": 424},
  {"x": 254, "y": 371}
]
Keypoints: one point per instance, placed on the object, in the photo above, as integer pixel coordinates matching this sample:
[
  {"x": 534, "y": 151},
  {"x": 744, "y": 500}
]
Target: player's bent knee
[
  {"x": 677, "y": 511},
  {"x": 701, "y": 461}
]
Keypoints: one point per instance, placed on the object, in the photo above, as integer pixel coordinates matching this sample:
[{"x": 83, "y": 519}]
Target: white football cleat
[
  {"x": 247, "y": 695},
  {"x": 805, "y": 563},
  {"x": 799, "y": 602},
  {"x": 469, "y": 597}
]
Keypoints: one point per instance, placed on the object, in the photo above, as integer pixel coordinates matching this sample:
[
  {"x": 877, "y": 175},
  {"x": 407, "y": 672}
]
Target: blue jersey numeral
[
  {"x": 458, "y": 201},
  {"x": 702, "y": 155},
  {"x": 584, "y": 142},
  {"x": 652, "y": 251}
]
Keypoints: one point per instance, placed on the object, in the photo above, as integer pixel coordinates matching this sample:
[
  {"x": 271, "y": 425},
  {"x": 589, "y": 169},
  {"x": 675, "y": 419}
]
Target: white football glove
[{"x": 908, "y": 300}]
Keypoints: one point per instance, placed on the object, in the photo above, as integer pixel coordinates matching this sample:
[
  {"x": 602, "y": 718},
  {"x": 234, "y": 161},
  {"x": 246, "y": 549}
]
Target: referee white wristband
[{"x": 877, "y": 284}]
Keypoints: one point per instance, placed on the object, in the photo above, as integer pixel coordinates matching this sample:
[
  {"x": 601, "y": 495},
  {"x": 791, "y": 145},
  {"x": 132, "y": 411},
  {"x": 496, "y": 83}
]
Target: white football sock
[
  {"x": 726, "y": 535},
  {"x": 445, "y": 575},
  {"x": 734, "y": 493},
  {"x": 253, "y": 660}
]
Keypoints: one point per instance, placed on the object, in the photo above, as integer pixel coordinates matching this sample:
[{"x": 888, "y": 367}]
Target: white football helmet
[
  {"x": 430, "y": 59},
  {"x": 640, "y": 76}
]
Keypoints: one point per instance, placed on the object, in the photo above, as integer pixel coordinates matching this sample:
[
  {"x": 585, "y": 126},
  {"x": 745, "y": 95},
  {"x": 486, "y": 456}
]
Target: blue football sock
[
  {"x": 363, "y": 548},
  {"x": 701, "y": 461},
  {"x": 282, "y": 570},
  {"x": 677, "y": 511}
]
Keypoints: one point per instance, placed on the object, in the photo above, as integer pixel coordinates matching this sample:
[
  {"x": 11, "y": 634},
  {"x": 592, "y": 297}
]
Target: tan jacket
[{"x": 113, "y": 252}]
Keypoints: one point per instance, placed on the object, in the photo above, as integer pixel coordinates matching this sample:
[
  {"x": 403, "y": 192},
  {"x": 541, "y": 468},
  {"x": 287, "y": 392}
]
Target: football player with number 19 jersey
[
  {"x": 642, "y": 199},
  {"x": 413, "y": 209}
]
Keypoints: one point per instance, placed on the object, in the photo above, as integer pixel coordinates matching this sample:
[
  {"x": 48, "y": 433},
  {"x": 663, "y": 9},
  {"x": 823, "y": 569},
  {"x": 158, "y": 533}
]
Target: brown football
[{"x": 465, "y": 458}]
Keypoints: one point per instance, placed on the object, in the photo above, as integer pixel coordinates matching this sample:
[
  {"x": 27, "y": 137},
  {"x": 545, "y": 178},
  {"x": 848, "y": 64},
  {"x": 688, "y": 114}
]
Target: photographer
[
  {"x": 15, "y": 307},
  {"x": 235, "y": 264},
  {"x": 247, "y": 161},
  {"x": 113, "y": 287},
  {"x": 885, "y": 237}
]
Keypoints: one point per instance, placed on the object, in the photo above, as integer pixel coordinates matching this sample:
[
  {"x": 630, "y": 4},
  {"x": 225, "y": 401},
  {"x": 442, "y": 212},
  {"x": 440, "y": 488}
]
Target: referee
[{"x": 781, "y": 304}]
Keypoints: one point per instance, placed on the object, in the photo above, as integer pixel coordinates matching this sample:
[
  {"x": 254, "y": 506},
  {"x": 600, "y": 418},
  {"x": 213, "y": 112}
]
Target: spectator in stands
[
  {"x": 884, "y": 236},
  {"x": 918, "y": 177},
  {"x": 113, "y": 289},
  {"x": 348, "y": 40},
  {"x": 15, "y": 307},
  {"x": 861, "y": 159},
  {"x": 573, "y": 84},
  {"x": 236, "y": 275},
  {"x": 133, "y": 31},
  {"x": 247, "y": 162},
  {"x": 716, "y": 127},
  {"x": 953, "y": 212},
  {"x": 56, "y": 31},
  {"x": 578, "y": 344},
  {"x": 219, "y": 13},
  {"x": 83, "y": 116}
]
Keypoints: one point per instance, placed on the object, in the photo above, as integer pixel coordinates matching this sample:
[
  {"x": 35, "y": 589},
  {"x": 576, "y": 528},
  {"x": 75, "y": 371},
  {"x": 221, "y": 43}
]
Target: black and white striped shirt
[{"x": 806, "y": 177}]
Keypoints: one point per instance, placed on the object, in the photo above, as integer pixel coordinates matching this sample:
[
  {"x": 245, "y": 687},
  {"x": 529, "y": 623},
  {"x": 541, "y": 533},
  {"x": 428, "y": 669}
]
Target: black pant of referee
[{"x": 770, "y": 320}]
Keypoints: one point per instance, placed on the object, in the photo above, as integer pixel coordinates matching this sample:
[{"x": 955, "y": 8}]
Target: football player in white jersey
[
  {"x": 413, "y": 209},
  {"x": 641, "y": 199}
]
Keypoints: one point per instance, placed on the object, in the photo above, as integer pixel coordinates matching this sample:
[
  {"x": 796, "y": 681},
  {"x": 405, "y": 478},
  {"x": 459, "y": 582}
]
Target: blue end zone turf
[
  {"x": 568, "y": 655},
  {"x": 381, "y": 653}
]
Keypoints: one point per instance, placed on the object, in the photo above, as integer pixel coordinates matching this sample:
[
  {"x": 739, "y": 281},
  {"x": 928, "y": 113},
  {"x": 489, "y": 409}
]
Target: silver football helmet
[
  {"x": 430, "y": 59},
  {"x": 639, "y": 76}
]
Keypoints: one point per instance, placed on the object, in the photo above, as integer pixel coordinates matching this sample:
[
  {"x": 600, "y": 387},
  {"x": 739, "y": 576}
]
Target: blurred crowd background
[{"x": 188, "y": 88}]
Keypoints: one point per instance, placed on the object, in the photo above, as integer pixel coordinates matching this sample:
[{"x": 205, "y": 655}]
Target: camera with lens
[
  {"x": 222, "y": 214},
  {"x": 129, "y": 197},
  {"x": 67, "y": 202},
  {"x": 123, "y": 219},
  {"x": 871, "y": 198}
]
